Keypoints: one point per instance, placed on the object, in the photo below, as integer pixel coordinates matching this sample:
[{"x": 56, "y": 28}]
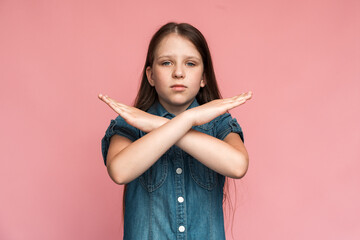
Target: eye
[
  {"x": 166, "y": 63},
  {"x": 191, "y": 64}
]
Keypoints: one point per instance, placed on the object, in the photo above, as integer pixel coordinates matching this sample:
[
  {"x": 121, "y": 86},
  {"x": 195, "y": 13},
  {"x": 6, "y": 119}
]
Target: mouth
[{"x": 178, "y": 87}]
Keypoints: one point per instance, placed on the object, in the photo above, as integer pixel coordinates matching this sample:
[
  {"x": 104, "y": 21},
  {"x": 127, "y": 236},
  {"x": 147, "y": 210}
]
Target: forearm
[
  {"x": 212, "y": 152},
  {"x": 215, "y": 153},
  {"x": 140, "y": 155}
]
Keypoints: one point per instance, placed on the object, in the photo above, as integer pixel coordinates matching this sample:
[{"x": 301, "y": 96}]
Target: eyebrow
[{"x": 167, "y": 56}]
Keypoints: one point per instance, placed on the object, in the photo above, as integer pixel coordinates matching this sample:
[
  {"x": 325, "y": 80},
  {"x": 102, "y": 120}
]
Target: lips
[{"x": 178, "y": 86}]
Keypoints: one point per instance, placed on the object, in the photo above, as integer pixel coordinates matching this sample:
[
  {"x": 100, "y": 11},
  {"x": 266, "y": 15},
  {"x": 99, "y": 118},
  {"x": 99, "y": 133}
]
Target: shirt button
[
  {"x": 181, "y": 229},
  {"x": 178, "y": 170},
  {"x": 180, "y": 199}
]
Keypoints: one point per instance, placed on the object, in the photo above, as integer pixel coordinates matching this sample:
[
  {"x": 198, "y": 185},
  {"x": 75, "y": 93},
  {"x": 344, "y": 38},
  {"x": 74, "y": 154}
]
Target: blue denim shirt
[{"x": 178, "y": 197}]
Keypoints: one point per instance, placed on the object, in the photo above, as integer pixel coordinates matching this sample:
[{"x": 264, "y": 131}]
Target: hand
[
  {"x": 144, "y": 121},
  {"x": 208, "y": 111}
]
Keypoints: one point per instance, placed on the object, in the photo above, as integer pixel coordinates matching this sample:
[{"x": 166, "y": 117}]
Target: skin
[{"x": 177, "y": 62}]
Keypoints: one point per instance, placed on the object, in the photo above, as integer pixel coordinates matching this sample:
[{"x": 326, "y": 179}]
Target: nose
[{"x": 178, "y": 72}]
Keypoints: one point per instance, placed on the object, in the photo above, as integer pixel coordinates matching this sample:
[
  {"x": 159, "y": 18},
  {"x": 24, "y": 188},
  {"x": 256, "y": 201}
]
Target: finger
[
  {"x": 105, "y": 99},
  {"x": 109, "y": 100},
  {"x": 111, "y": 103},
  {"x": 101, "y": 97},
  {"x": 246, "y": 96},
  {"x": 238, "y": 96},
  {"x": 116, "y": 108},
  {"x": 240, "y": 99},
  {"x": 116, "y": 102},
  {"x": 234, "y": 98},
  {"x": 235, "y": 104}
]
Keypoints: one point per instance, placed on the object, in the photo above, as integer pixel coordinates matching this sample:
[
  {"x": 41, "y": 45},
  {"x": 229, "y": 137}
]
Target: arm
[
  {"x": 228, "y": 157},
  {"x": 127, "y": 160}
]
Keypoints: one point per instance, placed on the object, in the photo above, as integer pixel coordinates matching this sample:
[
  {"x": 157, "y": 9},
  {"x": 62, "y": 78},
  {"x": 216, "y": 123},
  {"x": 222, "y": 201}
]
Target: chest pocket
[
  {"x": 202, "y": 175},
  {"x": 155, "y": 176}
]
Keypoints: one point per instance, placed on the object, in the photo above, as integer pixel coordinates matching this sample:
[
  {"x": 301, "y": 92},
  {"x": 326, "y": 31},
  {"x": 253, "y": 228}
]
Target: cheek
[
  {"x": 160, "y": 75},
  {"x": 198, "y": 75},
  {"x": 160, "y": 80},
  {"x": 200, "y": 72}
]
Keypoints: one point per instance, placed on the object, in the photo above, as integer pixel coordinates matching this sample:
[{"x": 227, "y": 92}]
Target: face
[{"x": 176, "y": 73}]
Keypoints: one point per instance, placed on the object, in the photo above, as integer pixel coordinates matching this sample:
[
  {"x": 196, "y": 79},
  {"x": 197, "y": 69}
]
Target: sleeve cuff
[
  {"x": 119, "y": 128},
  {"x": 231, "y": 126}
]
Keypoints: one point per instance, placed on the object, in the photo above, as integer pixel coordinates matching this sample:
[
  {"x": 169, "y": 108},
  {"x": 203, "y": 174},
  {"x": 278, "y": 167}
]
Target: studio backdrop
[{"x": 300, "y": 59}]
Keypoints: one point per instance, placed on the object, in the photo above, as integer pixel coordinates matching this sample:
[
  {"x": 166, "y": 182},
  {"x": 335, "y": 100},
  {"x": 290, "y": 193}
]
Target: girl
[{"x": 174, "y": 149}]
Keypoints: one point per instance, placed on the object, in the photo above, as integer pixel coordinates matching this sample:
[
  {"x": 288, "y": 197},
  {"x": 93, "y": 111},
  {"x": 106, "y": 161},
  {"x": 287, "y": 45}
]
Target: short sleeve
[
  {"x": 225, "y": 125},
  {"x": 119, "y": 127}
]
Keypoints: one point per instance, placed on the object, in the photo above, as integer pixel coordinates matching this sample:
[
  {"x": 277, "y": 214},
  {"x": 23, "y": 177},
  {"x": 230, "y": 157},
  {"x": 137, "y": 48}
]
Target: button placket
[{"x": 180, "y": 192}]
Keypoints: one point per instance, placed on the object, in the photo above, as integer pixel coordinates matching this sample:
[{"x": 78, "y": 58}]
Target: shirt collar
[{"x": 159, "y": 110}]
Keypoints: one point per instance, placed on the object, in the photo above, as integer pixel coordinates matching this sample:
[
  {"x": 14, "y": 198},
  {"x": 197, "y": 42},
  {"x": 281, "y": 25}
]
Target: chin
[{"x": 178, "y": 102}]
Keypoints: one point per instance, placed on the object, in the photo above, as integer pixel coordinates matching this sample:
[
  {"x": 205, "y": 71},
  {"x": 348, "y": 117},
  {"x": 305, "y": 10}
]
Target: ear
[
  {"x": 203, "y": 81},
  {"x": 149, "y": 76}
]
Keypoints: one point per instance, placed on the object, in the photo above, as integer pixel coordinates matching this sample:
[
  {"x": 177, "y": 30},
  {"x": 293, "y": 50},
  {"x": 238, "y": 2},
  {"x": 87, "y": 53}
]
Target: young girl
[{"x": 174, "y": 149}]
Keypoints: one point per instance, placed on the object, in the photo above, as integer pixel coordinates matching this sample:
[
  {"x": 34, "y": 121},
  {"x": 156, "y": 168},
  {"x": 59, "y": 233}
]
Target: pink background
[{"x": 300, "y": 58}]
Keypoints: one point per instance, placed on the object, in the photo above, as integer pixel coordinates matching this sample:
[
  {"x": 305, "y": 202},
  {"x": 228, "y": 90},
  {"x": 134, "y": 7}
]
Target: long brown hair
[{"x": 147, "y": 93}]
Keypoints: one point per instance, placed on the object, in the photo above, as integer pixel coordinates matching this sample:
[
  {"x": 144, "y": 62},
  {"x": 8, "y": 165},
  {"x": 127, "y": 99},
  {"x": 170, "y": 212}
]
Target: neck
[{"x": 175, "y": 109}]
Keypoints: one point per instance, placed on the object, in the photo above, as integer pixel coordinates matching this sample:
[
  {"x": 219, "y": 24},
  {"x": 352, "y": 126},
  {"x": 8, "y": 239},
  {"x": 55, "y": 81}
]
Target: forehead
[{"x": 174, "y": 44}]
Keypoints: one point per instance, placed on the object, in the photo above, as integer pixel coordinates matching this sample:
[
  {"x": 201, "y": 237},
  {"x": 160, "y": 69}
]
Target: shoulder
[
  {"x": 118, "y": 126},
  {"x": 225, "y": 124},
  {"x": 121, "y": 127}
]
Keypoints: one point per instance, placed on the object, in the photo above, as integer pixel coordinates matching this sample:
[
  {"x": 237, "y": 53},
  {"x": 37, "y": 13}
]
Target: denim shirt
[{"x": 177, "y": 197}]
